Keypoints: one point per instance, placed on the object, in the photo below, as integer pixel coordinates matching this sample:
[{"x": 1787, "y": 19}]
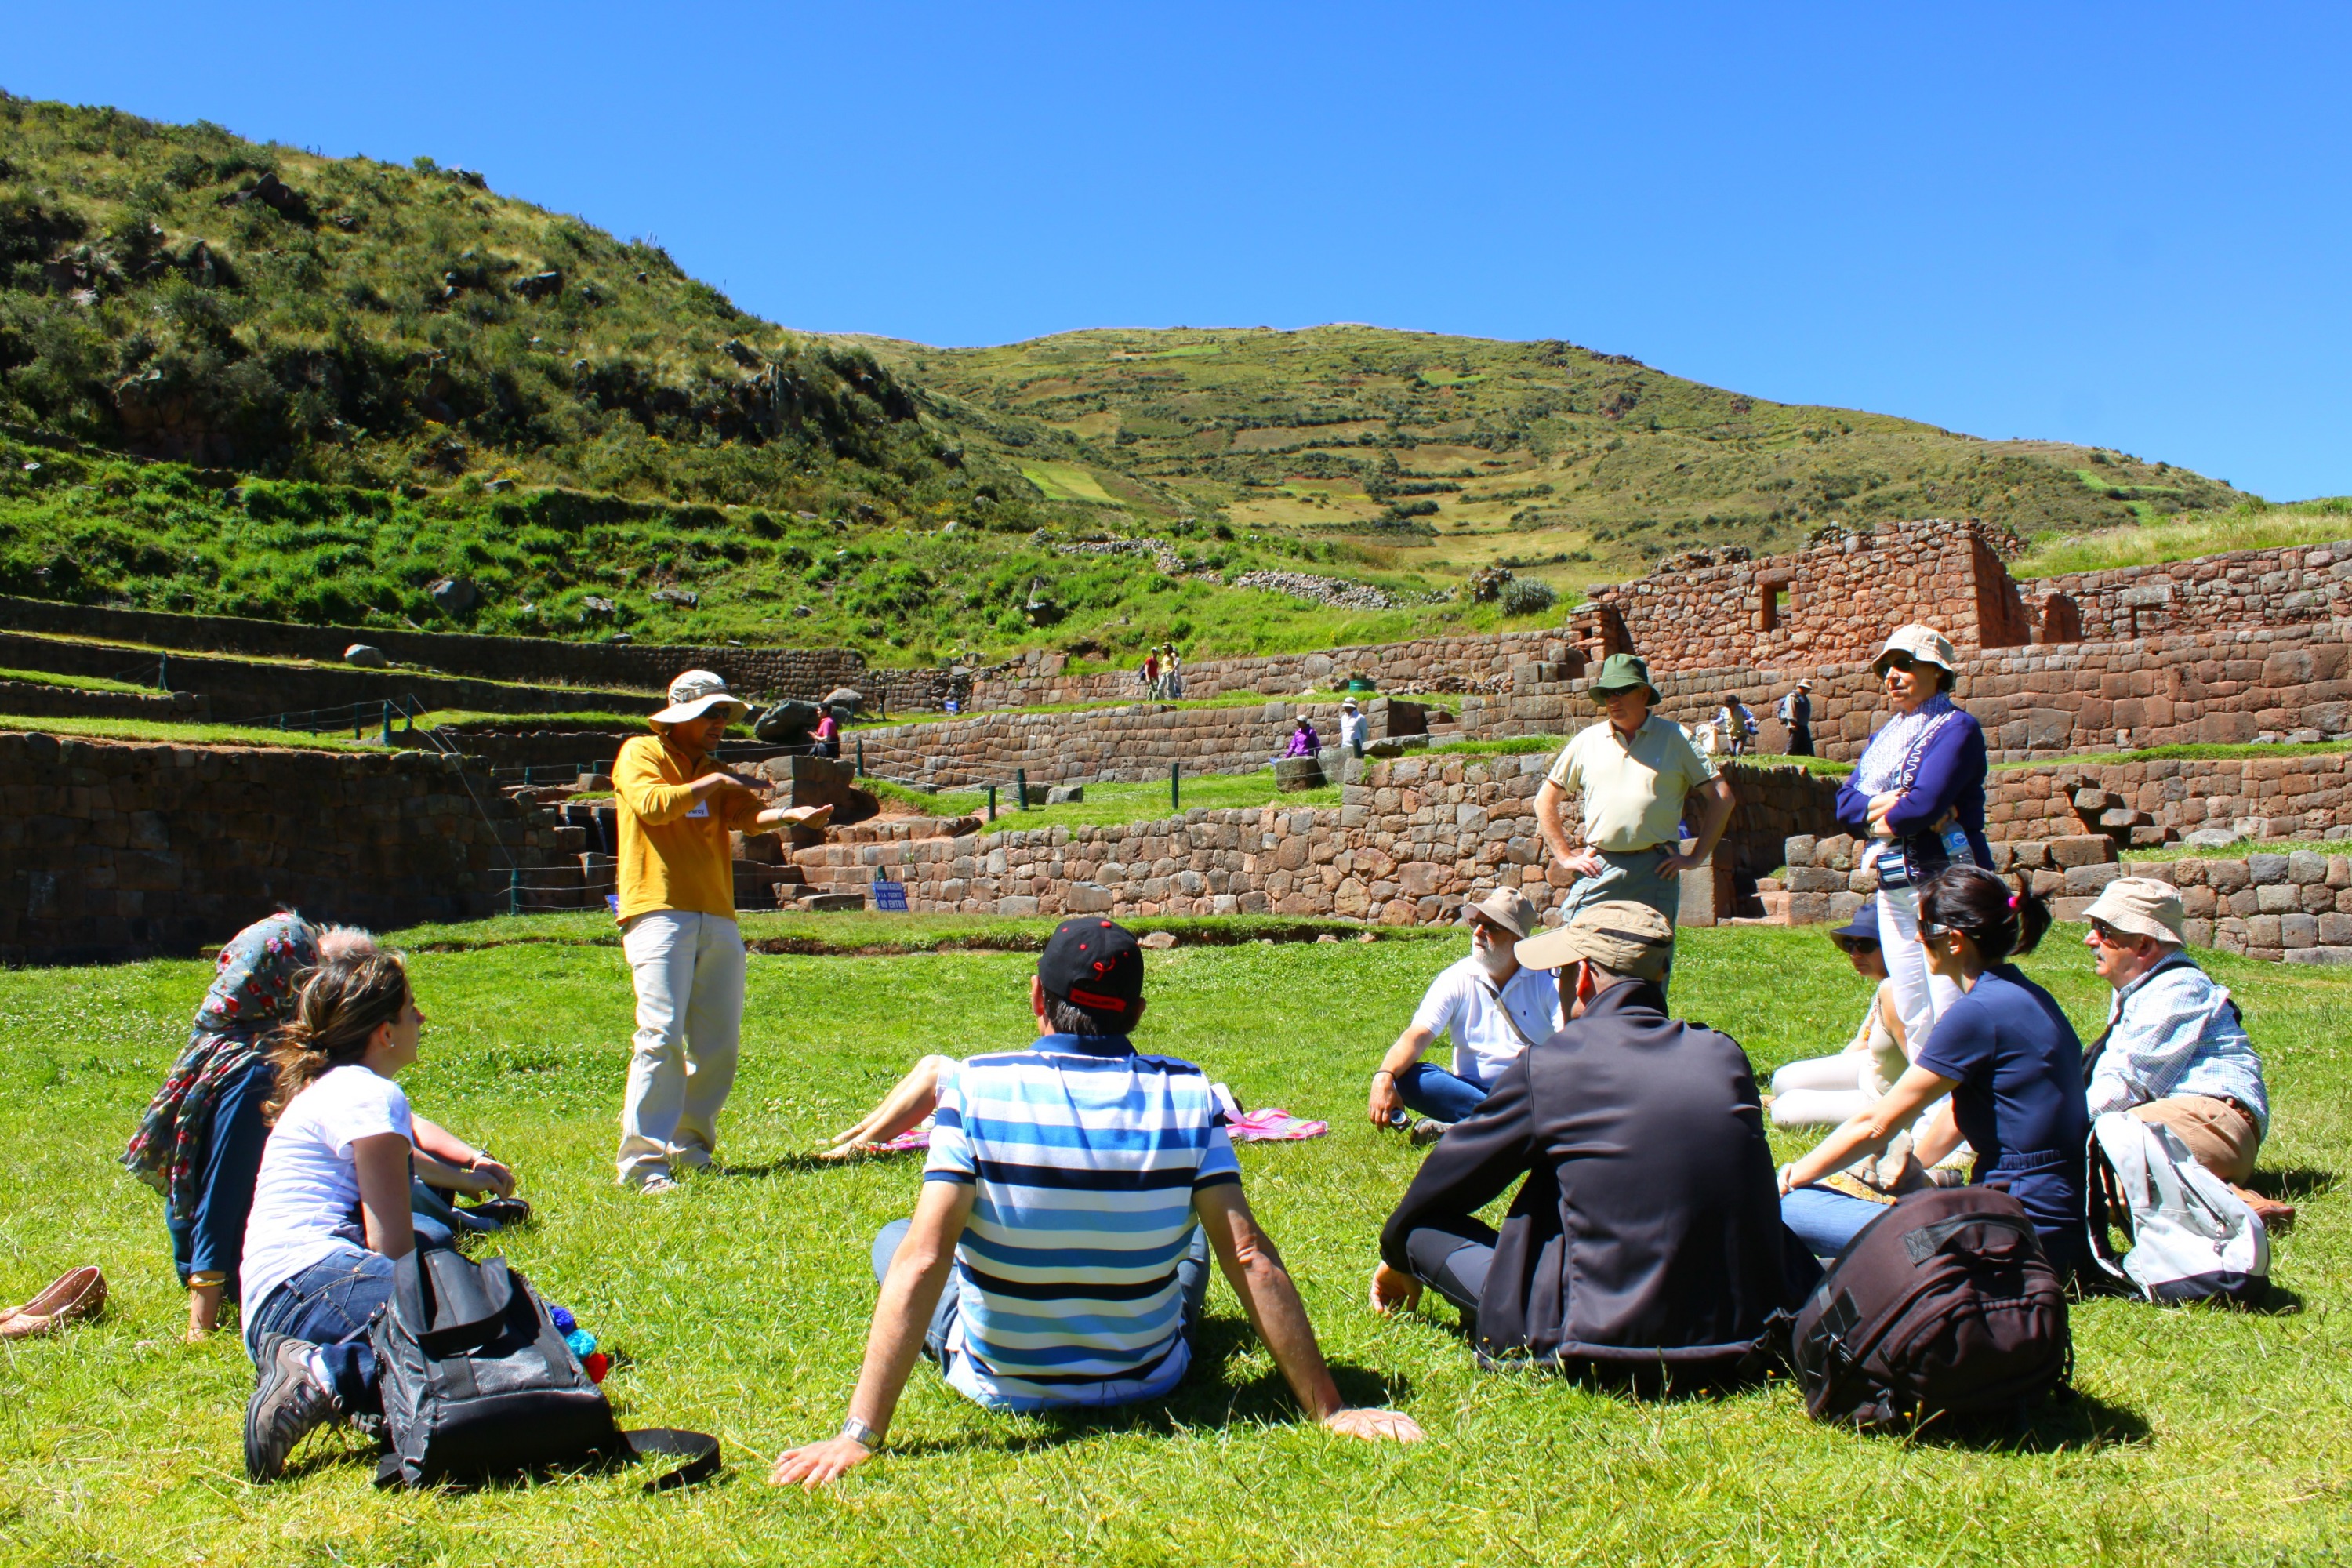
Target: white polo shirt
[{"x": 1461, "y": 1002}]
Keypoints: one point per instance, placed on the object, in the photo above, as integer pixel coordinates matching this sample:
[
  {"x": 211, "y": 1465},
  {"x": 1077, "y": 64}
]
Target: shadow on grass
[
  {"x": 2079, "y": 1421},
  {"x": 2294, "y": 1183}
]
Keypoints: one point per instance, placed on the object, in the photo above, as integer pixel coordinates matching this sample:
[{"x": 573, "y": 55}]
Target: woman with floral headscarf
[{"x": 201, "y": 1141}]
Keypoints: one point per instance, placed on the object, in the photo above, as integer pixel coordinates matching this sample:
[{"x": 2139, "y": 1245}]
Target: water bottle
[{"x": 1956, "y": 846}]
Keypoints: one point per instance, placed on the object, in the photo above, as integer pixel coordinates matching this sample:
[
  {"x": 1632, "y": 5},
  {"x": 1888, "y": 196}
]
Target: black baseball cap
[{"x": 1094, "y": 964}]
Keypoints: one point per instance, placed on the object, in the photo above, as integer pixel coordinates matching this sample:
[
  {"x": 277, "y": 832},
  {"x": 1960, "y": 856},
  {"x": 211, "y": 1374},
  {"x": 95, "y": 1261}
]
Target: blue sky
[{"x": 2126, "y": 226}]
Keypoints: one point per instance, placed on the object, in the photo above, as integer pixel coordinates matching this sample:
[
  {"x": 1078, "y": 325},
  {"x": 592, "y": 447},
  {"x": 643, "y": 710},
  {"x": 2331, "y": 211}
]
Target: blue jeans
[
  {"x": 1435, "y": 1094},
  {"x": 1191, "y": 1278},
  {"x": 1825, "y": 1220},
  {"x": 329, "y": 1304}
]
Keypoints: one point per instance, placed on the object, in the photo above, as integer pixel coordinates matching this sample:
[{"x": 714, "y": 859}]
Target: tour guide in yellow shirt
[
  {"x": 677, "y": 923},
  {"x": 1634, "y": 772}
]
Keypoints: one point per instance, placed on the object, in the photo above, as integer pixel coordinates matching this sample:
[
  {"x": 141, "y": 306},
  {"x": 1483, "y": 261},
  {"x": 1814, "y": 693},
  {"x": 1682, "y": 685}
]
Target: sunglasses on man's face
[
  {"x": 1902, "y": 661},
  {"x": 2107, "y": 935},
  {"x": 1853, "y": 946}
]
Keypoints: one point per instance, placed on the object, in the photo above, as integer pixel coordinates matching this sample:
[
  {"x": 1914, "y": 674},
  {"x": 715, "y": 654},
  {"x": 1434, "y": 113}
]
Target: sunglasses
[
  {"x": 1851, "y": 945},
  {"x": 1929, "y": 932},
  {"x": 2107, "y": 935},
  {"x": 1902, "y": 661}
]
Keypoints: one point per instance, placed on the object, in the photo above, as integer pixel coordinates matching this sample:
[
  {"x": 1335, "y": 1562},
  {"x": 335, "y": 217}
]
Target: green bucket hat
[{"x": 1623, "y": 672}]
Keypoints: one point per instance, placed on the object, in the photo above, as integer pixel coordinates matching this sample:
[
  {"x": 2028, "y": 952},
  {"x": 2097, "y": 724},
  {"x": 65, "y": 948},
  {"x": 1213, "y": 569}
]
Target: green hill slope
[{"x": 1459, "y": 451}]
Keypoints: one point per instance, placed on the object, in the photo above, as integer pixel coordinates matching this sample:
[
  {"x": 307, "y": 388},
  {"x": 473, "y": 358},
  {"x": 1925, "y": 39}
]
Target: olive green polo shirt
[{"x": 1633, "y": 791}]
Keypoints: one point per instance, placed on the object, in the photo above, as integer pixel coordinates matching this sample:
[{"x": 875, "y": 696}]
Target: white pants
[
  {"x": 688, "y": 970},
  {"x": 1821, "y": 1091},
  {"x": 1921, "y": 996}
]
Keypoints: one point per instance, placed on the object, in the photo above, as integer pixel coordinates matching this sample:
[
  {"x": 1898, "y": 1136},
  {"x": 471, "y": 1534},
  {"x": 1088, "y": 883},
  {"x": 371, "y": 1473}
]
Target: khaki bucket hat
[
  {"x": 696, "y": 693},
  {"x": 1505, "y": 907},
  {"x": 1622, "y": 936},
  {"x": 1923, "y": 643},
  {"x": 2141, "y": 906}
]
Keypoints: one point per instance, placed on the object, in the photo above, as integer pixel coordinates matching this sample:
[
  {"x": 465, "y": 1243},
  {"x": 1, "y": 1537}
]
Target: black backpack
[
  {"x": 1944, "y": 1302},
  {"x": 478, "y": 1382}
]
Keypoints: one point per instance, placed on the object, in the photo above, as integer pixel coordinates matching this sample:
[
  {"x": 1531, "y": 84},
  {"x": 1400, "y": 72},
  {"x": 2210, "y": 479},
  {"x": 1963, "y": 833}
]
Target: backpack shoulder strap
[
  {"x": 1494, "y": 993},
  {"x": 698, "y": 1449}
]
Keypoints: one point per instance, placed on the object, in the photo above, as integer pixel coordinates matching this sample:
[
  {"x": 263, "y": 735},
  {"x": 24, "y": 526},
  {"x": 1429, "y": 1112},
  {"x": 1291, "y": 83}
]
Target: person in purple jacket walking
[{"x": 1917, "y": 796}]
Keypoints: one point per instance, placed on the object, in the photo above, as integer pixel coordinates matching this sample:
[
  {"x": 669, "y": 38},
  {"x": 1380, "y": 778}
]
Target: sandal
[
  {"x": 76, "y": 1294},
  {"x": 501, "y": 1212}
]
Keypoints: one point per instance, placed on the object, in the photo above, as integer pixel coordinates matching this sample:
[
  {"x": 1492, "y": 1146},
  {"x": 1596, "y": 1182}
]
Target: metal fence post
[
  {"x": 387, "y": 725},
  {"x": 1021, "y": 789},
  {"x": 861, "y": 756},
  {"x": 991, "y": 803},
  {"x": 1175, "y": 790},
  {"x": 162, "y": 672},
  {"x": 514, "y": 891}
]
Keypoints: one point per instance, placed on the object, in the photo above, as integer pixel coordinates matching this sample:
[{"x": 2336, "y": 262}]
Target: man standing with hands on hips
[
  {"x": 676, "y": 875},
  {"x": 1635, "y": 773}
]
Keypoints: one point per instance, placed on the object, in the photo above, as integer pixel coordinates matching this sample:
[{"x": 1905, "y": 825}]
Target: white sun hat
[{"x": 696, "y": 693}]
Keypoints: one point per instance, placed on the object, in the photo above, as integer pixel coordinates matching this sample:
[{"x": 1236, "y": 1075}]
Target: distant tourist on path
[
  {"x": 1304, "y": 741},
  {"x": 676, "y": 913},
  {"x": 1353, "y": 726},
  {"x": 2175, "y": 1051},
  {"x": 1175, "y": 674},
  {"x": 1635, "y": 773},
  {"x": 1918, "y": 795},
  {"x": 1057, "y": 1258},
  {"x": 1644, "y": 1242},
  {"x": 827, "y": 734},
  {"x": 2006, "y": 1055},
  {"x": 1492, "y": 1006},
  {"x": 200, "y": 1144},
  {"x": 1797, "y": 716},
  {"x": 1152, "y": 672},
  {"x": 1737, "y": 725}
]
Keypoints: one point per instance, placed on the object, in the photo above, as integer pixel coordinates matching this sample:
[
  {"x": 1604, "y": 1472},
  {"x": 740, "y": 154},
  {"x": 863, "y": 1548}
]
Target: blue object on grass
[
  {"x": 890, "y": 896},
  {"x": 583, "y": 1343},
  {"x": 562, "y": 1317}
]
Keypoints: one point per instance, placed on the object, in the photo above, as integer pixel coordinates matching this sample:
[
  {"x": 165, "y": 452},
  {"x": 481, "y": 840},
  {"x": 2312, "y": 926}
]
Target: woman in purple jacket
[{"x": 1918, "y": 795}]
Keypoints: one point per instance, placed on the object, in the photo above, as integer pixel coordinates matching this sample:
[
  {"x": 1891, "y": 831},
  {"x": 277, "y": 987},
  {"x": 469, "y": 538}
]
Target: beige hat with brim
[
  {"x": 1621, "y": 936},
  {"x": 1923, "y": 643},
  {"x": 1506, "y": 908},
  {"x": 2141, "y": 906},
  {"x": 695, "y": 694}
]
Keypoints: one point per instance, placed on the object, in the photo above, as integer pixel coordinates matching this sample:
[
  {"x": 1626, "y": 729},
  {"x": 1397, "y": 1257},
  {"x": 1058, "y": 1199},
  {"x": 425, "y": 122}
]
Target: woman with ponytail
[
  {"x": 331, "y": 1209},
  {"x": 2006, "y": 1055}
]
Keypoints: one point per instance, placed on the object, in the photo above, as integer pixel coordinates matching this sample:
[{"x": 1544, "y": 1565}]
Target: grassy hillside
[
  {"x": 1455, "y": 452},
  {"x": 244, "y": 378}
]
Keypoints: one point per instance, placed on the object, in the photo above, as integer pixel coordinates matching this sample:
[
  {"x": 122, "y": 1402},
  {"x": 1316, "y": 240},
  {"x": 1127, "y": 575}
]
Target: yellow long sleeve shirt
[{"x": 674, "y": 850}]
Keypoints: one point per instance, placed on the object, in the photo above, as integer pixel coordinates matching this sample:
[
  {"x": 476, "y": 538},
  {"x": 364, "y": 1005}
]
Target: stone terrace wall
[
  {"x": 1430, "y": 665},
  {"x": 239, "y": 689},
  {"x": 1407, "y": 847},
  {"x": 2239, "y": 591},
  {"x": 807, "y": 673},
  {"x": 111, "y": 851},
  {"x": 1134, "y": 742},
  {"x": 2307, "y": 796},
  {"x": 1841, "y": 600}
]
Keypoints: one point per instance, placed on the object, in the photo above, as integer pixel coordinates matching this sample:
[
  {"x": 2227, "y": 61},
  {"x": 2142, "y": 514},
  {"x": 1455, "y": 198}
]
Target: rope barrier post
[
  {"x": 991, "y": 803},
  {"x": 1021, "y": 789},
  {"x": 514, "y": 891},
  {"x": 1175, "y": 790},
  {"x": 358, "y": 726},
  {"x": 387, "y": 725},
  {"x": 162, "y": 672},
  {"x": 861, "y": 756}
]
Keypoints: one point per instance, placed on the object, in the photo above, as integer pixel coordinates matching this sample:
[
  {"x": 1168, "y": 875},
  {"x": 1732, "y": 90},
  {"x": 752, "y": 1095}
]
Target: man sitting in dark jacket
[{"x": 1646, "y": 1238}]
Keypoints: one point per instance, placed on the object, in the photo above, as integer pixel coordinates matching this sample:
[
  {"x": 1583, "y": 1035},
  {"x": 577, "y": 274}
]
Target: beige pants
[{"x": 2222, "y": 1137}]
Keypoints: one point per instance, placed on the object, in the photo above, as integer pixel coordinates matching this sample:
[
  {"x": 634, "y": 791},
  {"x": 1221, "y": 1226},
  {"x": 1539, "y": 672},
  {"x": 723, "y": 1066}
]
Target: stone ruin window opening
[
  {"x": 2062, "y": 619},
  {"x": 1773, "y": 601}
]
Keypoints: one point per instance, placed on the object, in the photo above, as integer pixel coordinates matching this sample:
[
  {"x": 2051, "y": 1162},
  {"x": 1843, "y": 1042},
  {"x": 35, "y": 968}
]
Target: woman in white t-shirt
[{"x": 331, "y": 1208}]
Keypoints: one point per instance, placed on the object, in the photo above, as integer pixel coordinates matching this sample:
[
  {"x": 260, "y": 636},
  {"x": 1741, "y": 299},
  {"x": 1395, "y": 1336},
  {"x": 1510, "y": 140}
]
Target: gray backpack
[
  {"x": 2191, "y": 1239},
  {"x": 478, "y": 1382}
]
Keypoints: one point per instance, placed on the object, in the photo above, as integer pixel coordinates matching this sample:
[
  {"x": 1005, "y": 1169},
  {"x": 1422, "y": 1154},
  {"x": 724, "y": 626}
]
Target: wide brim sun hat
[
  {"x": 1923, "y": 643},
  {"x": 1505, "y": 907},
  {"x": 694, "y": 694},
  {"x": 1622, "y": 936},
  {"x": 2141, "y": 906},
  {"x": 1623, "y": 672}
]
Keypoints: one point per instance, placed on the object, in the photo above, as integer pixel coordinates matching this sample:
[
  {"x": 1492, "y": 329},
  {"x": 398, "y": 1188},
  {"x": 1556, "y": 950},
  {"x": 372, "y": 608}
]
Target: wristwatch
[{"x": 859, "y": 1433}]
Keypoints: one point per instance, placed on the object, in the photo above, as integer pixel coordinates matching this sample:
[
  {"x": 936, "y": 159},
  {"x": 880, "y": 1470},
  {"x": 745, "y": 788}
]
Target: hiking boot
[
  {"x": 1428, "y": 1131},
  {"x": 286, "y": 1406}
]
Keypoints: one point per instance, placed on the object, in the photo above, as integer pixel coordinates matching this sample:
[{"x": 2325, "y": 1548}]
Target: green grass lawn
[
  {"x": 160, "y": 730},
  {"x": 75, "y": 682},
  {"x": 740, "y": 1306}
]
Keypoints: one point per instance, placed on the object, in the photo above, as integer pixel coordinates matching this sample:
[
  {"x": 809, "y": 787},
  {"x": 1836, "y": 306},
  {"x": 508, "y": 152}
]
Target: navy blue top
[
  {"x": 2020, "y": 1099},
  {"x": 1951, "y": 778}
]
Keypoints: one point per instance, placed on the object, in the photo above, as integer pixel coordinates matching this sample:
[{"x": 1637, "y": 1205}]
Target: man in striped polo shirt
[{"x": 1058, "y": 1255}]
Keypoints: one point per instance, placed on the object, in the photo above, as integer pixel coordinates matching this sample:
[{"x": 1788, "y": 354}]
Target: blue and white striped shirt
[
  {"x": 1086, "y": 1157},
  {"x": 2174, "y": 1031}
]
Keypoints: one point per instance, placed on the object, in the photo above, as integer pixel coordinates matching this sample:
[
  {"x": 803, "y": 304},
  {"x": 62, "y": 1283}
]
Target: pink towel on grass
[{"x": 1270, "y": 1124}]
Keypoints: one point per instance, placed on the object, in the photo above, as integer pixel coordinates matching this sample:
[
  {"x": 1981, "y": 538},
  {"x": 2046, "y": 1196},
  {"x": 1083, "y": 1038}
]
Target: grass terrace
[
  {"x": 741, "y": 1306},
  {"x": 153, "y": 731}
]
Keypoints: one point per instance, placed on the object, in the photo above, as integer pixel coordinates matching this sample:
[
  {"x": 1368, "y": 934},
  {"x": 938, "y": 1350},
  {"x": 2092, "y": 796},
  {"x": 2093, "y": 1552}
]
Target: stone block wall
[
  {"x": 1429, "y": 665},
  {"x": 2307, "y": 796},
  {"x": 2294, "y": 907},
  {"x": 2239, "y": 591},
  {"x": 1829, "y": 603},
  {"x": 1407, "y": 846},
  {"x": 39, "y": 700},
  {"x": 113, "y": 851}
]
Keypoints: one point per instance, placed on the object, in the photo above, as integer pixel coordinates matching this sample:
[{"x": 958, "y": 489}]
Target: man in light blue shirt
[
  {"x": 1057, "y": 1258},
  {"x": 2175, "y": 1052}
]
